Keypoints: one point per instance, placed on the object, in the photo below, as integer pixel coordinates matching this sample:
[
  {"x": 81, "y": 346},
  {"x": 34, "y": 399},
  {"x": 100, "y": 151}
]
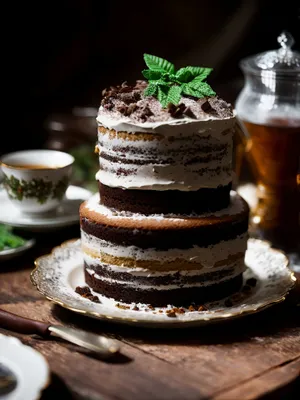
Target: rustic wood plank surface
[{"x": 249, "y": 358}]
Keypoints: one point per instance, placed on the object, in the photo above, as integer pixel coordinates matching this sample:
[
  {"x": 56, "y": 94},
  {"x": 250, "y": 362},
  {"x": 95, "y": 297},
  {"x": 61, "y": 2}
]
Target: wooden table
[{"x": 252, "y": 357}]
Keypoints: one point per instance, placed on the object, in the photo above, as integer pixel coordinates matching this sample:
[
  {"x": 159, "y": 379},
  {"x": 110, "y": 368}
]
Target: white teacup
[{"x": 36, "y": 180}]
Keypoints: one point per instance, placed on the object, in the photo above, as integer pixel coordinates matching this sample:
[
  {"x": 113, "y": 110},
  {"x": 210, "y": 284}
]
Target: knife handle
[{"x": 19, "y": 324}]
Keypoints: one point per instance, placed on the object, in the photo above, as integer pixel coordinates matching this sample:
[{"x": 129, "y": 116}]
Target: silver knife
[{"x": 102, "y": 345}]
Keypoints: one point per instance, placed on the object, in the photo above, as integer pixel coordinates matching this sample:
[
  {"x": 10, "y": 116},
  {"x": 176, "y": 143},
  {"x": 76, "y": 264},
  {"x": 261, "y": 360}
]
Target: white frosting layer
[
  {"x": 189, "y": 154},
  {"x": 160, "y": 177},
  {"x": 173, "y": 127},
  {"x": 235, "y": 207},
  {"x": 239, "y": 268},
  {"x": 207, "y": 256},
  {"x": 91, "y": 261}
]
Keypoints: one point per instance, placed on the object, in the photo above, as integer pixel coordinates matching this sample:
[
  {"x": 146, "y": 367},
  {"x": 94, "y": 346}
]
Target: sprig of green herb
[
  {"x": 168, "y": 85},
  {"x": 8, "y": 239}
]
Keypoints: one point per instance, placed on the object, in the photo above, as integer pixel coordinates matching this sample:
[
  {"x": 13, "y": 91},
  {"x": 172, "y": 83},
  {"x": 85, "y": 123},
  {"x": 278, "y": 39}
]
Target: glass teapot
[{"x": 268, "y": 112}]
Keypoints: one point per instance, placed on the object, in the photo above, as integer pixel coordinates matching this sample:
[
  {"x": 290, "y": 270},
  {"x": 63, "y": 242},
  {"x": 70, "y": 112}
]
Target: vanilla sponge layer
[{"x": 219, "y": 255}]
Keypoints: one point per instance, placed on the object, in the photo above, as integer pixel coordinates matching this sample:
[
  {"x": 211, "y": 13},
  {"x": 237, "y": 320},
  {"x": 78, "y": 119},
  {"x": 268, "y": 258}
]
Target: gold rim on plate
[{"x": 170, "y": 322}]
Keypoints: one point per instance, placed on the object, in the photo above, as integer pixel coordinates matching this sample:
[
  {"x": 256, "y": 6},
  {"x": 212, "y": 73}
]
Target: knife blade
[{"x": 100, "y": 344}]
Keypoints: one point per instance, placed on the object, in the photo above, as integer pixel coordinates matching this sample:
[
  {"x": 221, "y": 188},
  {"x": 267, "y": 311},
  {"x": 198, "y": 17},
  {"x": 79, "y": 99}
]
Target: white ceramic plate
[
  {"x": 7, "y": 254},
  {"x": 67, "y": 213},
  {"x": 58, "y": 274},
  {"x": 29, "y": 367}
]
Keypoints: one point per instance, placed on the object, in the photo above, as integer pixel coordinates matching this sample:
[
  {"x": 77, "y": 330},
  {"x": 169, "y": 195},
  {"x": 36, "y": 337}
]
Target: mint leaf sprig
[{"x": 168, "y": 85}]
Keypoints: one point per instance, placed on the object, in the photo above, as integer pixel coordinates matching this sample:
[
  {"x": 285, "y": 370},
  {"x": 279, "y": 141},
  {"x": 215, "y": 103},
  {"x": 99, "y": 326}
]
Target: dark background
[{"x": 62, "y": 54}]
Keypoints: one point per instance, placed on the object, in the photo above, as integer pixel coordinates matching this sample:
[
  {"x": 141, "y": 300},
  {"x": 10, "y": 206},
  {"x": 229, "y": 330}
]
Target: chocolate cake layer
[
  {"x": 165, "y": 239},
  {"x": 167, "y": 201},
  {"x": 163, "y": 232},
  {"x": 176, "y": 297},
  {"x": 172, "y": 278}
]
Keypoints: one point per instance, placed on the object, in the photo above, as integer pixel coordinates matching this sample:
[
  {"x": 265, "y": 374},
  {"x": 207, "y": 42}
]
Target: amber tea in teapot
[{"x": 268, "y": 108}]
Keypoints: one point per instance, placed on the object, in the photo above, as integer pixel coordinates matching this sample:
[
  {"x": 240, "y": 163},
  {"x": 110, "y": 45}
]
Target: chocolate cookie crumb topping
[
  {"x": 121, "y": 108},
  {"x": 180, "y": 110},
  {"x": 95, "y": 299},
  {"x": 122, "y": 306},
  {"x": 129, "y": 101},
  {"x": 145, "y": 113},
  {"x": 206, "y": 107},
  {"x": 85, "y": 292},
  {"x": 189, "y": 113},
  {"x": 130, "y": 109},
  {"x": 176, "y": 111},
  {"x": 171, "y": 313}
]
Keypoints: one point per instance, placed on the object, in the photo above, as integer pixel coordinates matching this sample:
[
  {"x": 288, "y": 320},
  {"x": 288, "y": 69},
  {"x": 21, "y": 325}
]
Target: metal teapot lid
[{"x": 283, "y": 61}]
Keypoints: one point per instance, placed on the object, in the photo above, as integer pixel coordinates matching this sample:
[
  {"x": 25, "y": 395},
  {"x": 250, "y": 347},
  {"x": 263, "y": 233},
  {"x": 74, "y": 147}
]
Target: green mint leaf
[
  {"x": 186, "y": 89},
  {"x": 151, "y": 75},
  {"x": 150, "y": 90},
  {"x": 167, "y": 85},
  {"x": 161, "y": 82},
  {"x": 173, "y": 78},
  {"x": 184, "y": 75},
  {"x": 201, "y": 90},
  {"x": 169, "y": 78},
  {"x": 174, "y": 95},
  {"x": 200, "y": 73},
  {"x": 203, "y": 87},
  {"x": 158, "y": 64},
  {"x": 163, "y": 95}
]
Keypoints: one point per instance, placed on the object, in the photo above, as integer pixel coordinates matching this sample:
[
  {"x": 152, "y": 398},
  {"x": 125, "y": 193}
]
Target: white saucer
[
  {"x": 58, "y": 274},
  {"x": 7, "y": 254},
  {"x": 67, "y": 213},
  {"x": 28, "y": 366}
]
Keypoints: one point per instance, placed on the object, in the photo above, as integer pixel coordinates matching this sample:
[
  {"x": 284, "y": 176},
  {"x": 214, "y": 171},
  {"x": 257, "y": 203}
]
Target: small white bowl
[{"x": 36, "y": 180}]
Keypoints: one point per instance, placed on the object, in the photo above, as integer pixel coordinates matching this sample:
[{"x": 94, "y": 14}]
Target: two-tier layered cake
[{"x": 165, "y": 228}]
